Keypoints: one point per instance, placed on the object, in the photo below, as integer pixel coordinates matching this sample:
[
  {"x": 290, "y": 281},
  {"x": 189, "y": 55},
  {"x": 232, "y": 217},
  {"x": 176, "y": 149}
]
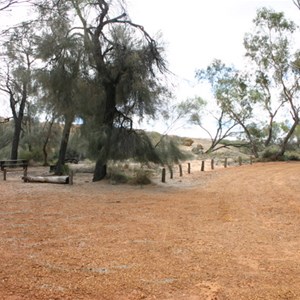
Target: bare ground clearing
[{"x": 227, "y": 234}]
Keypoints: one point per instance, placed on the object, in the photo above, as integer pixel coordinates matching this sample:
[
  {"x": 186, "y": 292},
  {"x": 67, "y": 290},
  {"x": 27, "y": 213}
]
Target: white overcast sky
[{"x": 196, "y": 32}]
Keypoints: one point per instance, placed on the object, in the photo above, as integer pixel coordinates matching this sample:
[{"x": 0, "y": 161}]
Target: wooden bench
[{"x": 13, "y": 164}]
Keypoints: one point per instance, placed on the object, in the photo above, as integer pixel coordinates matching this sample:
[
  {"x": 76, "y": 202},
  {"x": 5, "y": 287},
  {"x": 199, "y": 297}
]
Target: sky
[
  {"x": 195, "y": 32},
  {"x": 198, "y": 31}
]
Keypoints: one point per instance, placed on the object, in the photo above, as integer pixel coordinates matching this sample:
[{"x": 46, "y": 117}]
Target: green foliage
[
  {"x": 154, "y": 136},
  {"x": 234, "y": 95},
  {"x": 168, "y": 151},
  {"x": 127, "y": 73},
  {"x": 65, "y": 170},
  {"x": 138, "y": 91},
  {"x": 4, "y": 153},
  {"x": 121, "y": 144},
  {"x": 141, "y": 177},
  {"x": 269, "y": 154},
  {"x": 269, "y": 48},
  {"x": 117, "y": 177},
  {"x": 191, "y": 109},
  {"x": 78, "y": 145},
  {"x": 292, "y": 155},
  {"x": 6, "y": 134},
  {"x": 35, "y": 155},
  {"x": 121, "y": 175}
]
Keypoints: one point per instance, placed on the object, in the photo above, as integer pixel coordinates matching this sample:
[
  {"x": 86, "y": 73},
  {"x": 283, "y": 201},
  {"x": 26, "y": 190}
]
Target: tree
[
  {"x": 234, "y": 96},
  {"x": 59, "y": 80},
  {"x": 125, "y": 60},
  {"x": 194, "y": 109},
  {"x": 269, "y": 47},
  {"x": 265, "y": 87},
  {"x": 17, "y": 81}
]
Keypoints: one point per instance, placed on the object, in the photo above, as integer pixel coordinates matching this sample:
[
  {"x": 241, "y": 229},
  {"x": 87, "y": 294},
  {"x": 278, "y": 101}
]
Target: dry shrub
[
  {"x": 141, "y": 177},
  {"x": 188, "y": 142},
  {"x": 117, "y": 177}
]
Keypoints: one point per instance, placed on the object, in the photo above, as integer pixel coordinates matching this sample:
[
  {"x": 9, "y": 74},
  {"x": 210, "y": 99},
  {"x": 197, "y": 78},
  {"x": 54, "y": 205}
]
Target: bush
[
  {"x": 188, "y": 142},
  {"x": 141, "y": 178},
  {"x": 117, "y": 177},
  {"x": 4, "y": 153},
  {"x": 65, "y": 170},
  {"x": 294, "y": 156},
  {"x": 35, "y": 155},
  {"x": 74, "y": 154},
  {"x": 198, "y": 149},
  {"x": 269, "y": 153}
]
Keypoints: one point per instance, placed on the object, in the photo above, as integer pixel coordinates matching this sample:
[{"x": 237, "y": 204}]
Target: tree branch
[{"x": 297, "y": 3}]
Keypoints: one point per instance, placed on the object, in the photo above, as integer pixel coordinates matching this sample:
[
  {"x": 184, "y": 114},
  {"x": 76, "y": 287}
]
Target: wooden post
[
  {"x": 163, "y": 175},
  {"x": 25, "y": 172},
  {"x": 71, "y": 175},
  {"x": 225, "y": 162},
  {"x": 202, "y": 165},
  {"x": 180, "y": 170},
  {"x": 251, "y": 160},
  {"x": 4, "y": 174},
  {"x": 240, "y": 160},
  {"x": 171, "y": 172},
  {"x": 189, "y": 168},
  {"x": 212, "y": 163}
]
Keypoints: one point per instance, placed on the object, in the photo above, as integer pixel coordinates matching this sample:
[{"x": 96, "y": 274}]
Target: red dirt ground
[{"x": 227, "y": 234}]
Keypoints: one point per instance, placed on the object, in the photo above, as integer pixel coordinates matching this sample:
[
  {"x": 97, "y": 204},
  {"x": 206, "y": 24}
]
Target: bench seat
[{"x": 13, "y": 164}]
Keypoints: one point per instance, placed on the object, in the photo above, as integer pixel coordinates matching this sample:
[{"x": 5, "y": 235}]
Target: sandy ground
[{"x": 225, "y": 234}]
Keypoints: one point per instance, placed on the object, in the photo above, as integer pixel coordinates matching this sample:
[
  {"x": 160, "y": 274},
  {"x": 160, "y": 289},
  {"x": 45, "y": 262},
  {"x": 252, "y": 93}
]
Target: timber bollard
[
  {"x": 163, "y": 175},
  {"x": 189, "y": 168},
  {"x": 202, "y": 165},
  {"x": 180, "y": 170},
  {"x": 225, "y": 162},
  {"x": 171, "y": 172},
  {"x": 212, "y": 164},
  {"x": 71, "y": 175}
]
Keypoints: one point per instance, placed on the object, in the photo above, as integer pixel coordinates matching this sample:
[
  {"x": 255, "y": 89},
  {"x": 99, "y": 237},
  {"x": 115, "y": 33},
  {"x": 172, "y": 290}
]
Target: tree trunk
[
  {"x": 284, "y": 144},
  {"x": 100, "y": 171},
  {"x": 270, "y": 133},
  {"x": 16, "y": 138},
  {"x": 64, "y": 144},
  {"x": 253, "y": 145},
  {"x": 46, "y": 142}
]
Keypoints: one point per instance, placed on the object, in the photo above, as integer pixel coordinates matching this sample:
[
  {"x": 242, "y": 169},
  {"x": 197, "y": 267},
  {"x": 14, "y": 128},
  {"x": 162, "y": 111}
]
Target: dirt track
[{"x": 228, "y": 234}]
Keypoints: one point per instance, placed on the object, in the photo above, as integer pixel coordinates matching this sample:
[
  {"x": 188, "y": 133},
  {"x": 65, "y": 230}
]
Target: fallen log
[{"x": 47, "y": 179}]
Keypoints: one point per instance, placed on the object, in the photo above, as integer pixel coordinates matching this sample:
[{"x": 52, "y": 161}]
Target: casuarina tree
[{"x": 125, "y": 62}]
